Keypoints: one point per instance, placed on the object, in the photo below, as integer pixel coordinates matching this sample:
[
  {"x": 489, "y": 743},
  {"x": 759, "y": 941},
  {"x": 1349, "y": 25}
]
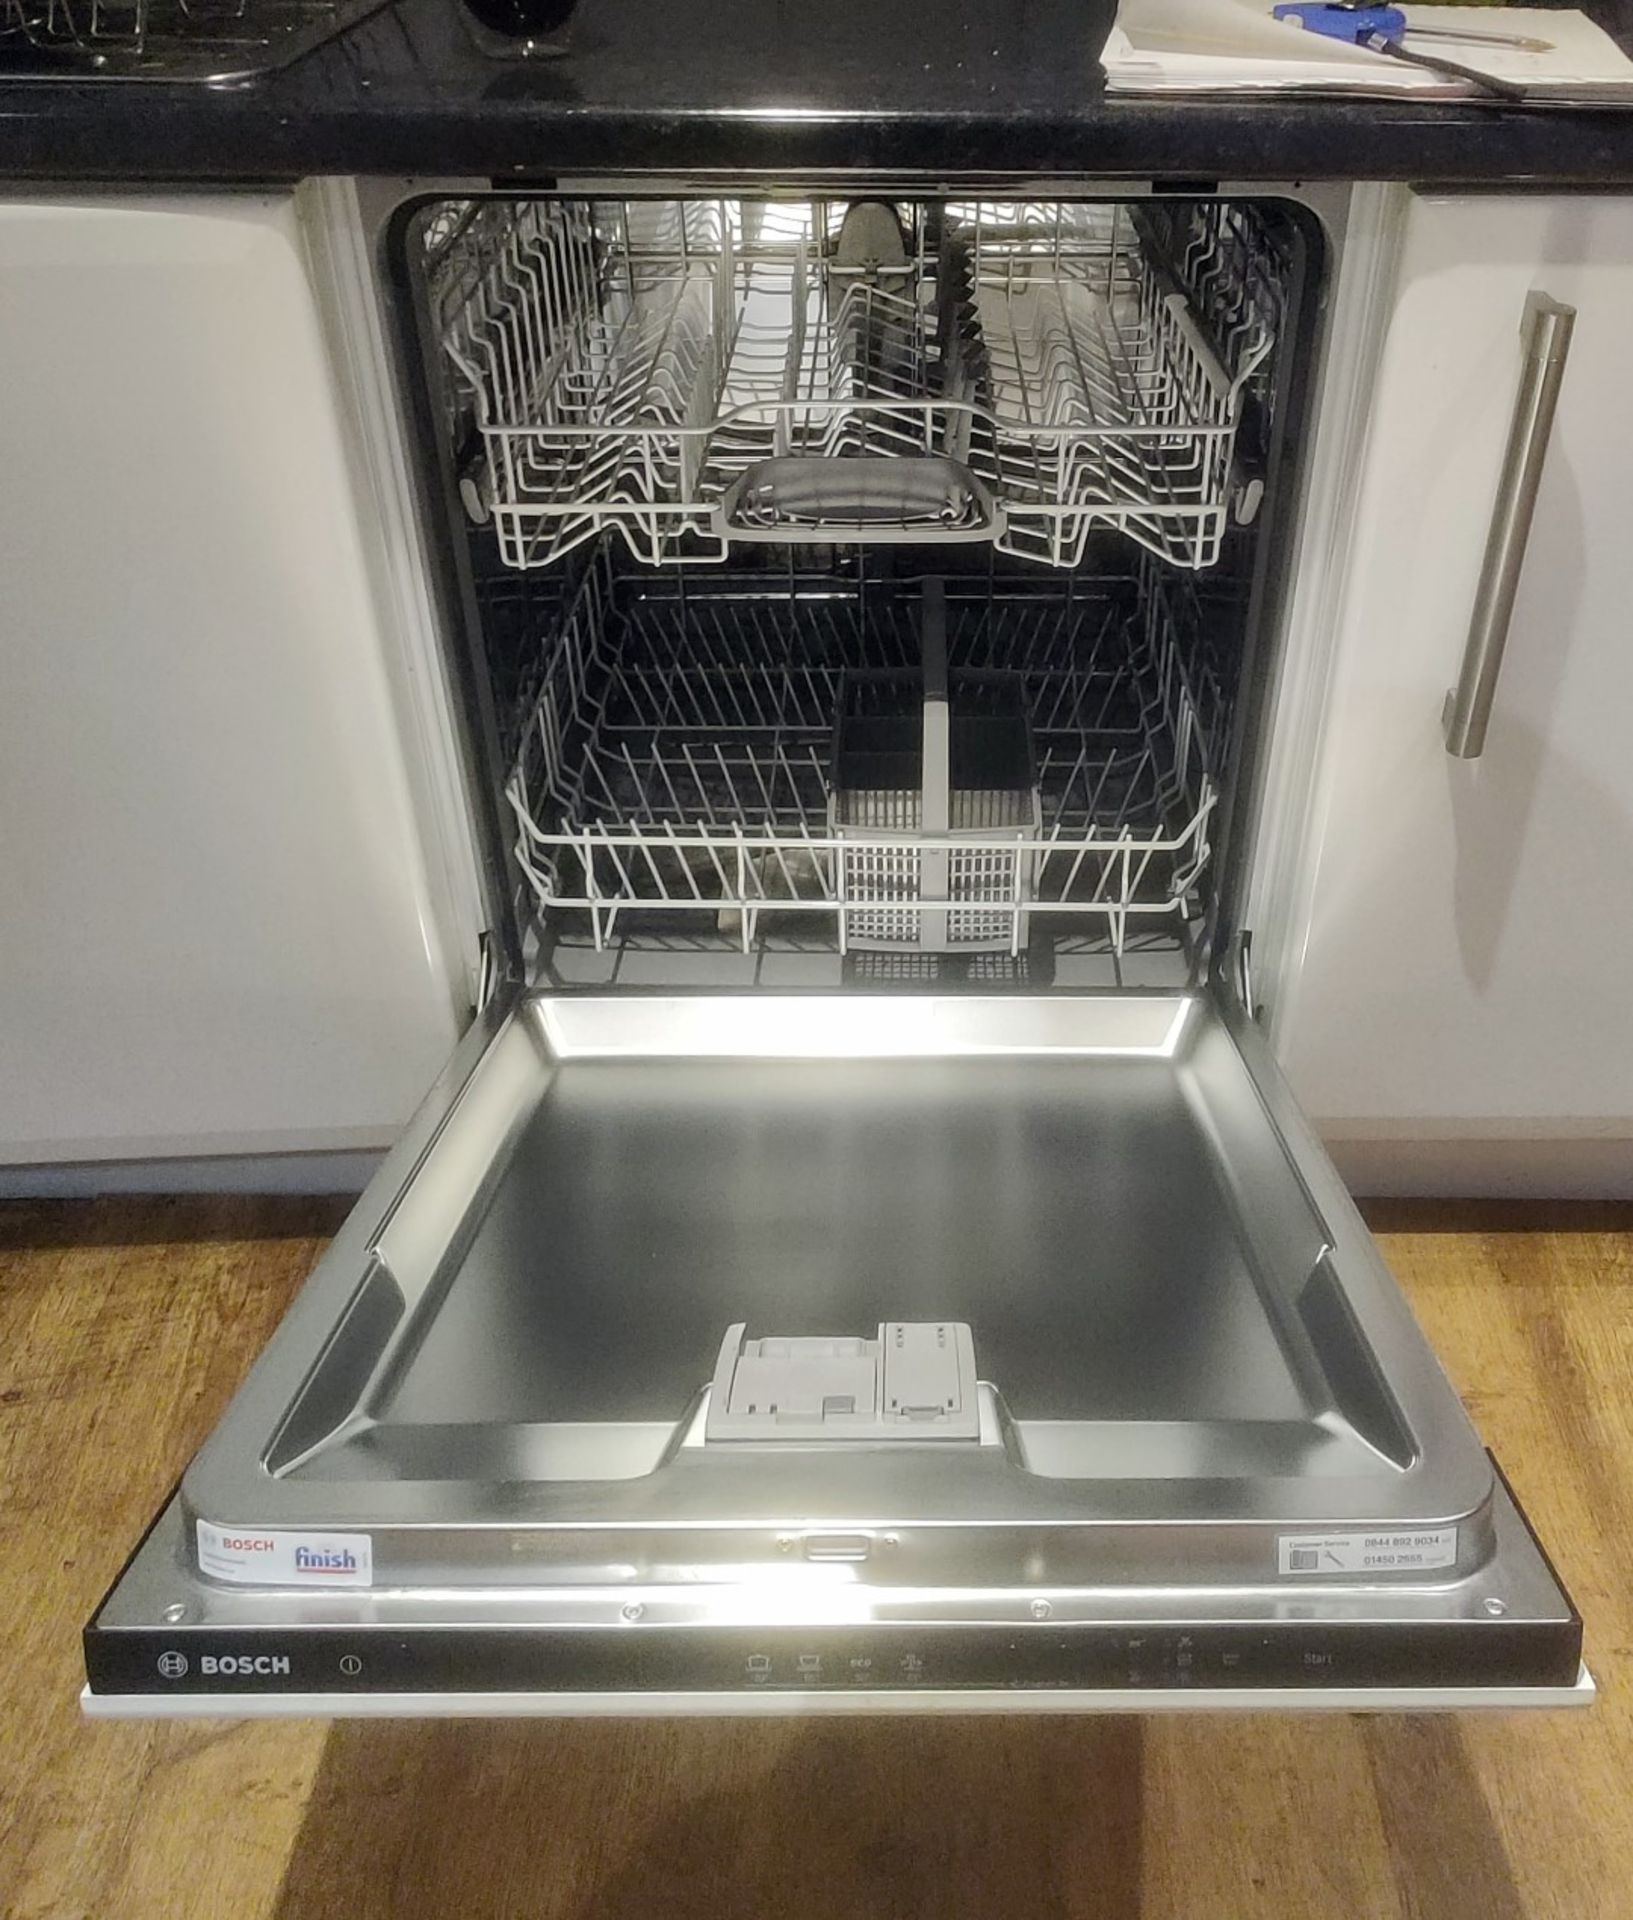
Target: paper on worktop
[{"x": 1237, "y": 46}]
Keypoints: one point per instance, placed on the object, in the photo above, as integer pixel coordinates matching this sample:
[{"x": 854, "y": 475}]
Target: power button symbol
[{"x": 350, "y": 1665}]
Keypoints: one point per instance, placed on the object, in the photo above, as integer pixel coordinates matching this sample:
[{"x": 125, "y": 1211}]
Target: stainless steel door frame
[{"x": 252, "y": 1657}]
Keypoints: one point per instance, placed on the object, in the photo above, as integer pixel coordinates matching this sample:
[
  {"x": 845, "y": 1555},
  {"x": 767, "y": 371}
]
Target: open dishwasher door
[{"x": 838, "y": 1352}]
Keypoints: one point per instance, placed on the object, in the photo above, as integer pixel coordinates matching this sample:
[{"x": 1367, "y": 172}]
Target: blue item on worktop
[
  {"x": 1381, "y": 30},
  {"x": 1355, "y": 24}
]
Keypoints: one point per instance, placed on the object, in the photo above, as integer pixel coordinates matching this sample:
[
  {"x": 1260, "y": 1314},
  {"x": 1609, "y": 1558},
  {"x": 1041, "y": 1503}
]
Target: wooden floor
[{"x": 124, "y": 1328}]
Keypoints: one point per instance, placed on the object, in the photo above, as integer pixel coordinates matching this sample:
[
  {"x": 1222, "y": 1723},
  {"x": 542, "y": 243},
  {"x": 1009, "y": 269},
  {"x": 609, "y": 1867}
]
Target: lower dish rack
[
  {"x": 683, "y": 373},
  {"x": 676, "y": 766}
]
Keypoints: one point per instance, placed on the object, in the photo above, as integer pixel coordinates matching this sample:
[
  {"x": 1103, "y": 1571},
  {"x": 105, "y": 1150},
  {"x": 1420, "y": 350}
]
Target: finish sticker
[
  {"x": 258, "y": 1558},
  {"x": 1416, "y": 1550}
]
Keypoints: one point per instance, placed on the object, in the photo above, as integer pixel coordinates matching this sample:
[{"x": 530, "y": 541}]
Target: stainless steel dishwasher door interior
[
  {"x": 1092, "y": 1185},
  {"x": 489, "y": 1409},
  {"x": 647, "y": 1205}
]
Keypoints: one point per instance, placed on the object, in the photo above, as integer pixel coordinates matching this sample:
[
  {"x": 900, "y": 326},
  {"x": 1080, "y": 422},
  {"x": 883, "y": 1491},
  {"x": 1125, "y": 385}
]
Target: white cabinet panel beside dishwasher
[
  {"x": 1460, "y": 1019},
  {"x": 220, "y": 934}
]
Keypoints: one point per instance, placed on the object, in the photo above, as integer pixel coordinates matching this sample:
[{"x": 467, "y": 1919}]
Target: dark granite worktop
[{"x": 974, "y": 86}]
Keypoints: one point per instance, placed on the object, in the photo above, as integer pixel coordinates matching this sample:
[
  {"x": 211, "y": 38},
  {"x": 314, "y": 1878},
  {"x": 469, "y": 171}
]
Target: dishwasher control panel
[{"x": 176, "y": 1661}]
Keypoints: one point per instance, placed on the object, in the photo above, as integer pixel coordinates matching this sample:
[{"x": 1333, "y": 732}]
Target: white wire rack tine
[
  {"x": 744, "y": 914},
  {"x": 586, "y": 849}
]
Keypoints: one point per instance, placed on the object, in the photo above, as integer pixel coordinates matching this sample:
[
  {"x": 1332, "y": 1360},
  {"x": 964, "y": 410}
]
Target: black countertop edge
[
  {"x": 1190, "y": 144},
  {"x": 1005, "y": 89}
]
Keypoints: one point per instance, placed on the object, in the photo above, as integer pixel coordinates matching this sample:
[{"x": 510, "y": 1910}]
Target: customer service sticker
[
  {"x": 1414, "y": 1550},
  {"x": 258, "y": 1557}
]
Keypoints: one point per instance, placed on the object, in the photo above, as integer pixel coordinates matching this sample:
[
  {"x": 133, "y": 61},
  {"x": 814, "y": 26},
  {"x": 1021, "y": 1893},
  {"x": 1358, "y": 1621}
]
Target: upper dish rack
[{"x": 702, "y": 373}]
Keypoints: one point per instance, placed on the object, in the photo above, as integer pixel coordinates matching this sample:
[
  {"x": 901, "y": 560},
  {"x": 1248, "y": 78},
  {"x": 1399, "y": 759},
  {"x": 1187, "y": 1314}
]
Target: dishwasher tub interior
[
  {"x": 870, "y": 1254},
  {"x": 678, "y": 431}
]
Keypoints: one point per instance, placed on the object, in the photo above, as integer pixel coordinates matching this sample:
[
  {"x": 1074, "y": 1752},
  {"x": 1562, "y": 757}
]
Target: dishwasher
[{"x": 862, "y": 1256}]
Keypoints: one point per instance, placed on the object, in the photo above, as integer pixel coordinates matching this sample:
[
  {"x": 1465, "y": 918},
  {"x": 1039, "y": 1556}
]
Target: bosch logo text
[
  {"x": 243, "y": 1663},
  {"x": 247, "y": 1544},
  {"x": 325, "y": 1560}
]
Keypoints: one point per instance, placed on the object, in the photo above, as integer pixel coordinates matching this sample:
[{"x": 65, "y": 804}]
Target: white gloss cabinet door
[
  {"x": 218, "y": 933},
  {"x": 1462, "y": 1018}
]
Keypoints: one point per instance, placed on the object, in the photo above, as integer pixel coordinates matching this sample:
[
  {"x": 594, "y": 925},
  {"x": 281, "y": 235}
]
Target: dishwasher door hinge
[
  {"x": 488, "y": 968},
  {"x": 1243, "y": 973}
]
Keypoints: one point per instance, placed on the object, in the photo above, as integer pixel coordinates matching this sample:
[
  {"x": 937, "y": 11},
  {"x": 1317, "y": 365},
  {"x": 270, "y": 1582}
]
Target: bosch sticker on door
[
  {"x": 1410, "y": 1550},
  {"x": 263, "y": 1557}
]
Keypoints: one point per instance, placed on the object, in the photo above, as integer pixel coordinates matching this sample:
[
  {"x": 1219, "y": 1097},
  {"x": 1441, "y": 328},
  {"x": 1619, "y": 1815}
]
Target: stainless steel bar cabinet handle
[{"x": 1467, "y": 713}]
